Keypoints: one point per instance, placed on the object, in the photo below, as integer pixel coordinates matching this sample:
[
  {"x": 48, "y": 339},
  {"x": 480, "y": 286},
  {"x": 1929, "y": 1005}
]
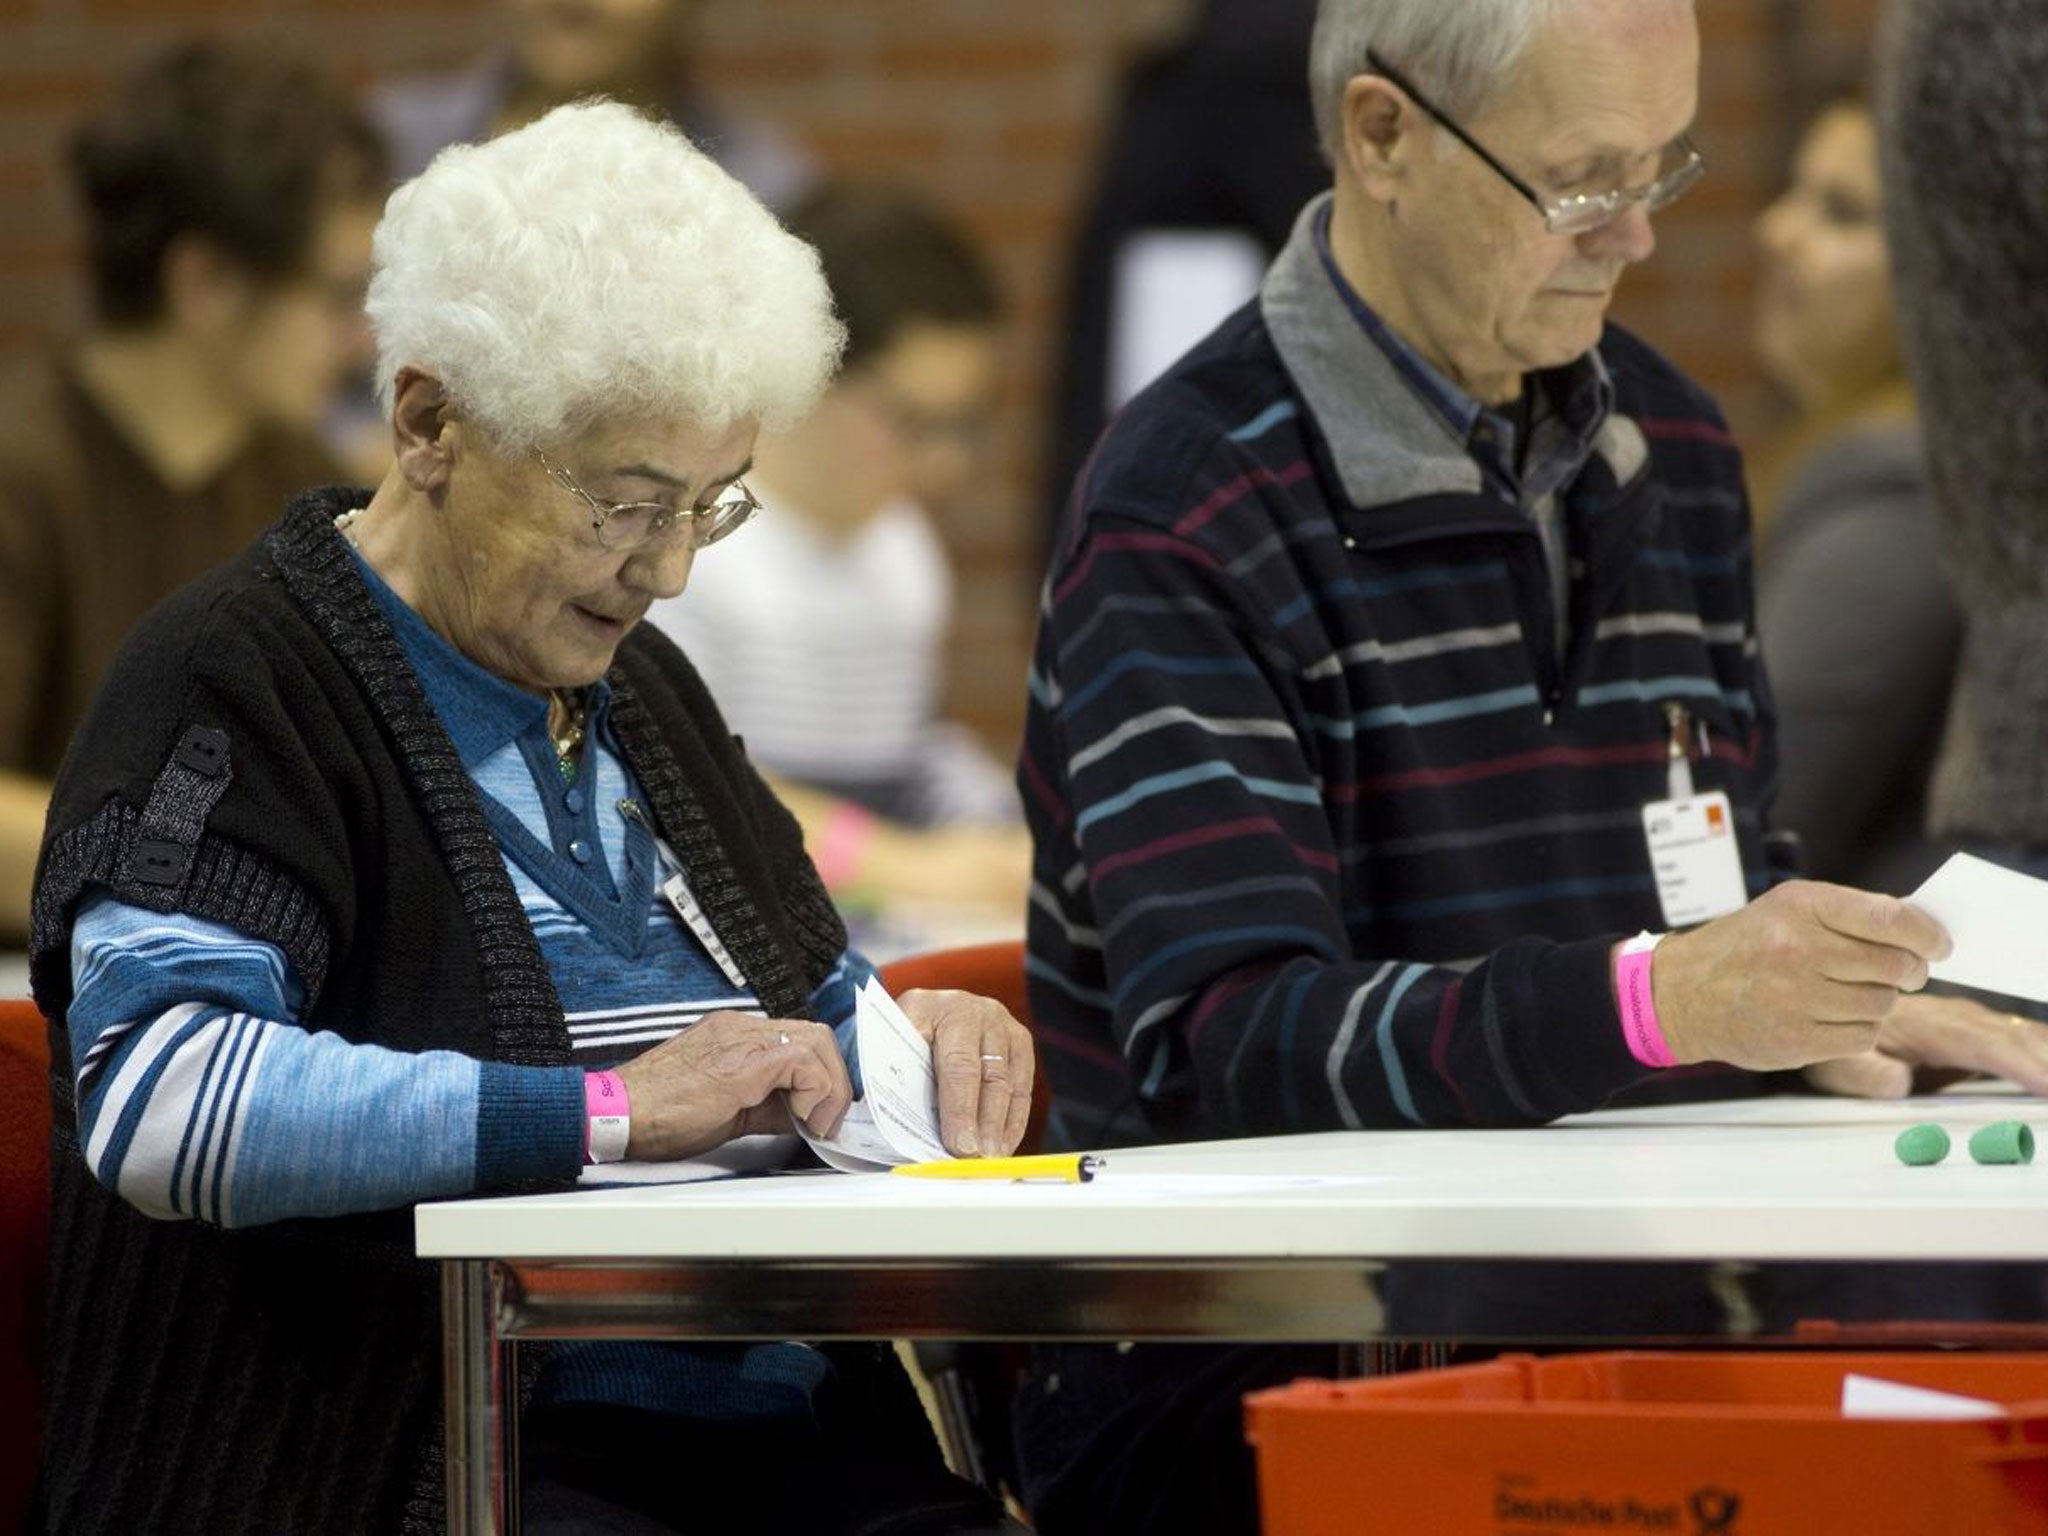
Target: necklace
[
  {"x": 345, "y": 524},
  {"x": 565, "y": 729}
]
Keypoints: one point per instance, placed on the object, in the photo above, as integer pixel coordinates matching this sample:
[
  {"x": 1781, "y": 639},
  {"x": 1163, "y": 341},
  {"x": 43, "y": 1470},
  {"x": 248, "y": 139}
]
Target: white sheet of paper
[
  {"x": 902, "y": 1086},
  {"x": 749, "y": 1154},
  {"x": 897, "y": 1118},
  {"x": 1998, "y": 918},
  {"x": 860, "y": 1146},
  {"x": 1871, "y": 1397}
]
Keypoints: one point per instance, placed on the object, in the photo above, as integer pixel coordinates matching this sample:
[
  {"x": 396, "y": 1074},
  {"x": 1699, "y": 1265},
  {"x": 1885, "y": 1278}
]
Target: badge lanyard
[{"x": 675, "y": 890}]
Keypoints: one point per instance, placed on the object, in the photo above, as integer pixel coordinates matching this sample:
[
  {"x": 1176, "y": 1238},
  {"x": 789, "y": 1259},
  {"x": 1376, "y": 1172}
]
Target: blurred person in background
[
  {"x": 1963, "y": 133},
  {"x": 228, "y": 199},
  {"x": 555, "y": 51},
  {"x": 1210, "y": 155},
  {"x": 1856, "y": 619},
  {"x": 823, "y": 636}
]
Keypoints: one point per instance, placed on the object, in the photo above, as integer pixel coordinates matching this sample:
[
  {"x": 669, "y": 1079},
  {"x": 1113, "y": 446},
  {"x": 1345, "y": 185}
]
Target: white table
[{"x": 1273, "y": 1239}]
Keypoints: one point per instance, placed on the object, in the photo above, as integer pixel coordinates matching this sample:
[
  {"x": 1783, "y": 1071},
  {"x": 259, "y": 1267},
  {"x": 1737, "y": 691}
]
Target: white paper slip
[
  {"x": 1998, "y": 919},
  {"x": 896, "y": 1120},
  {"x": 749, "y": 1154},
  {"x": 1872, "y": 1397}
]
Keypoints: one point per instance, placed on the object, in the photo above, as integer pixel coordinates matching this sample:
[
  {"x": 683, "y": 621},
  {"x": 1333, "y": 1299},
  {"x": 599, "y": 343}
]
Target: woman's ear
[{"x": 422, "y": 444}]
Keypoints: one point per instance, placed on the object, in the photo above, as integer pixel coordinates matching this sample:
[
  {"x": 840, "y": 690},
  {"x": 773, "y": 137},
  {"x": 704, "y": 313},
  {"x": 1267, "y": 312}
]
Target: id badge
[{"x": 1696, "y": 858}]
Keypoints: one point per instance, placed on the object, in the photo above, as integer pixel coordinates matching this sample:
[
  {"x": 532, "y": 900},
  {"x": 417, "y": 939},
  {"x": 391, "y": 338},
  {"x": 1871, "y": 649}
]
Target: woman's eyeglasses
[{"x": 622, "y": 526}]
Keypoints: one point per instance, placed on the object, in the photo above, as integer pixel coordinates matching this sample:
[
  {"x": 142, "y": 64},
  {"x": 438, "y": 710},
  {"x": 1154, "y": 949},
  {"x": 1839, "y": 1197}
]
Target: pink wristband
[
  {"x": 1638, "y": 1003},
  {"x": 842, "y": 843},
  {"x": 607, "y": 1118}
]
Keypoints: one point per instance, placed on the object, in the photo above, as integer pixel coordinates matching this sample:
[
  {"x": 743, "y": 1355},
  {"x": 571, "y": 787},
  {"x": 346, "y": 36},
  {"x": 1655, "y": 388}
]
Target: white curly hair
[{"x": 597, "y": 265}]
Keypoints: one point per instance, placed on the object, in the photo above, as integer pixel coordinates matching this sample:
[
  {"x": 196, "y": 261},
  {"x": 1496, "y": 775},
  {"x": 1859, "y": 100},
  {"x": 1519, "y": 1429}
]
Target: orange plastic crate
[{"x": 1703, "y": 1444}]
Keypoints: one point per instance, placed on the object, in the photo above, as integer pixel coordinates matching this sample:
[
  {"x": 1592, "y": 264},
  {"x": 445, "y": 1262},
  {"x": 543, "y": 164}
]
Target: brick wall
[{"x": 991, "y": 106}]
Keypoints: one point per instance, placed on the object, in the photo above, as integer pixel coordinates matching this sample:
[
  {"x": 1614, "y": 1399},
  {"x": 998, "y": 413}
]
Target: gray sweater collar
[{"x": 1388, "y": 444}]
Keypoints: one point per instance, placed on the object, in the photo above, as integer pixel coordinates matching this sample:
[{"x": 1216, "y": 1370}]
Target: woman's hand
[
  {"x": 724, "y": 1076},
  {"x": 985, "y": 1067}
]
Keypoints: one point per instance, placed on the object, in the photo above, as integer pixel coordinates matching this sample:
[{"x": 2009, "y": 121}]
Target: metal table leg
[{"x": 479, "y": 1376}]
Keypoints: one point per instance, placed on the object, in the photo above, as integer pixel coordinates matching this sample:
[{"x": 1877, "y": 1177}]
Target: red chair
[
  {"x": 992, "y": 970},
  {"x": 24, "y": 1247}
]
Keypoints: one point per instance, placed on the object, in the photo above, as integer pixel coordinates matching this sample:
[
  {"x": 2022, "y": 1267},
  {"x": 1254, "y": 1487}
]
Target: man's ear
[
  {"x": 1381, "y": 129},
  {"x": 422, "y": 443}
]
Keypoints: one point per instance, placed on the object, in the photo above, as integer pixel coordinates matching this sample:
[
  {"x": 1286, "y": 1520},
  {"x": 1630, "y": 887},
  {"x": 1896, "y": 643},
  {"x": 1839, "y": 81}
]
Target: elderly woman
[{"x": 393, "y": 844}]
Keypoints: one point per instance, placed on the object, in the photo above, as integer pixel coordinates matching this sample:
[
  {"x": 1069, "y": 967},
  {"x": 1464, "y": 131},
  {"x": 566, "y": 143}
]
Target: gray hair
[{"x": 1461, "y": 53}]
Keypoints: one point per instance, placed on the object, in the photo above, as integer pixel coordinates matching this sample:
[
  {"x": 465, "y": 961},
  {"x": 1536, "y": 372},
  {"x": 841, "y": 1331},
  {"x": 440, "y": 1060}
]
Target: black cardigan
[{"x": 262, "y": 755}]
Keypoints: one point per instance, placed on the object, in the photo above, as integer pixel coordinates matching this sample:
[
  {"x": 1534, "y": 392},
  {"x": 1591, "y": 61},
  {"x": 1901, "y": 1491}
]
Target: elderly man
[{"x": 1396, "y": 666}]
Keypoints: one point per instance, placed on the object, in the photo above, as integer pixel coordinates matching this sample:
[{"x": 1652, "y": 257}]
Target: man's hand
[
  {"x": 724, "y": 1076},
  {"x": 1805, "y": 973},
  {"x": 985, "y": 1066},
  {"x": 1945, "y": 1034}
]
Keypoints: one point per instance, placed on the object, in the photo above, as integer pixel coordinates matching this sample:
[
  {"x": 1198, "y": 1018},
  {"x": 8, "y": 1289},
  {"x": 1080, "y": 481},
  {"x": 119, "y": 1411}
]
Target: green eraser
[
  {"x": 1919, "y": 1145},
  {"x": 2008, "y": 1141}
]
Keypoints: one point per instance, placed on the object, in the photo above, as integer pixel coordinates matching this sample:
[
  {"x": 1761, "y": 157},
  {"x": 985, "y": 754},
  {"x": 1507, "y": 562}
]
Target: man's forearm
[
  {"x": 23, "y": 803},
  {"x": 1527, "y": 1035}
]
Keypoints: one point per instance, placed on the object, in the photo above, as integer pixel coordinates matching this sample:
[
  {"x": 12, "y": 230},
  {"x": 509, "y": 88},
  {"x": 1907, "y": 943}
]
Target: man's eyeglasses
[
  {"x": 628, "y": 525},
  {"x": 1577, "y": 213}
]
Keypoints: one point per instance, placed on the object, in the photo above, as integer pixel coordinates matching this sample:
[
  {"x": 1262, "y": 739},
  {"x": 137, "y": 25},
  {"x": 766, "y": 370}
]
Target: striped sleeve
[
  {"x": 831, "y": 1002},
  {"x": 1180, "y": 769},
  {"x": 200, "y": 1097}
]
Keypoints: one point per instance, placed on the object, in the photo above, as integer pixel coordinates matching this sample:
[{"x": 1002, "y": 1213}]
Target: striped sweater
[{"x": 1337, "y": 819}]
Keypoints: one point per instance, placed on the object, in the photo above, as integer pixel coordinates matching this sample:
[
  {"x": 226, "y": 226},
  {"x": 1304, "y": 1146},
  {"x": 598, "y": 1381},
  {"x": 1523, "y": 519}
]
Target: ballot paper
[
  {"x": 896, "y": 1120},
  {"x": 1872, "y": 1397},
  {"x": 1998, "y": 919},
  {"x": 735, "y": 1159}
]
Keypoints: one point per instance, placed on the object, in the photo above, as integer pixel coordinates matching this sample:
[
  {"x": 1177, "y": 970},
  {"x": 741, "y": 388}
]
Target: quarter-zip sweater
[{"x": 1337, "y": 818}]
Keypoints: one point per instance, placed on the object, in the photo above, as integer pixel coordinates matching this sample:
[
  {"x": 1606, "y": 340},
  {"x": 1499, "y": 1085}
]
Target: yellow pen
[{"x": 1068, "y": 1167}]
